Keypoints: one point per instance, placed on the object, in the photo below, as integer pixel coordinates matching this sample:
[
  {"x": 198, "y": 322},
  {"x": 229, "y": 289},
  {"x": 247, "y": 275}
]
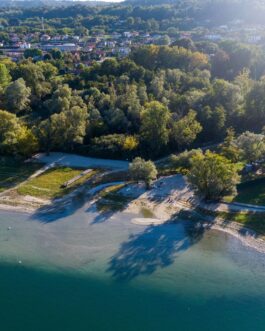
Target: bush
[
  {"x": 114, "y": 146},
  {"x": 143, "y": 170},
  {"x": 183, "y": 160}
]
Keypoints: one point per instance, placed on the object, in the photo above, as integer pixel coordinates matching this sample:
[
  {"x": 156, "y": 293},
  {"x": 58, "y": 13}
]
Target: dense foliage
[{"x": 161, "y": 98}]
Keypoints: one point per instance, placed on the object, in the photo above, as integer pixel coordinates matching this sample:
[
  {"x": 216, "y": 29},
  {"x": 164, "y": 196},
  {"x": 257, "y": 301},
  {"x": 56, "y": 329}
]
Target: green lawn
[
  {"x": 251, "y": 192},
  {"x": 13, "y": 172},
  {"x": 49, "y": 184}
]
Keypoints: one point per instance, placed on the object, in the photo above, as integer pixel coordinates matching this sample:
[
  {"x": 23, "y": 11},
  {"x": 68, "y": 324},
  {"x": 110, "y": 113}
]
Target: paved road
[{"x": 73, "y": 160}]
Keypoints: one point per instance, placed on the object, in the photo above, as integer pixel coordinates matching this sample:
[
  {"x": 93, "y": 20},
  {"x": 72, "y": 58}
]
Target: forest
[{"x": 160, "y": 99}]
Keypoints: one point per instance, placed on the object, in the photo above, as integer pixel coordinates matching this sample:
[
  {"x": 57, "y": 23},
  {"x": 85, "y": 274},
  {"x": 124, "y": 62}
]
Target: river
[{"x": 83, "y": 271}]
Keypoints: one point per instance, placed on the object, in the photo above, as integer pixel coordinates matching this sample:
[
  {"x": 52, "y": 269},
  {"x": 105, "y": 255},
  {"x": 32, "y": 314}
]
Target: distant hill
[{"x": 42, "y": 3}]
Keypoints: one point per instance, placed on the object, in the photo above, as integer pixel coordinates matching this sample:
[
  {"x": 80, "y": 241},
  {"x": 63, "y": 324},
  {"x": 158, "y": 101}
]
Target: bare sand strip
[{"x": 147, "y": 221}]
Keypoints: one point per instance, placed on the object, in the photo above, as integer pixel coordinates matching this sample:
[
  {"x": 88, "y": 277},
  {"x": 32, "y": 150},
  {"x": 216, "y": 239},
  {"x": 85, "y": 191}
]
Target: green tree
[
  {"x": 229, "y": 148},
  {"x": 252, "y": 146},
  {"x": 185, "y": 131},
  {"x": 213, "y": 176},
  {"x": 154, "y": 131},
  {"x": 255, "y": 106},
  {"x": 32, "y": 52},
  {"x": 63, "y": 130},
  {"x": 5, "y": 77},
  {"x": 15, "y": 137},
  {"x": 17, "y": 96},
  {"x": 143, "y": 170},
  {"x": 34, "y": 78},
  {"x": 164, "y": 40},
  {"x": 64, "y": 98}
]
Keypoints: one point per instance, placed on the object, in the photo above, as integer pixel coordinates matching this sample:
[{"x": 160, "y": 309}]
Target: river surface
[{"x": 85, "y": 271}]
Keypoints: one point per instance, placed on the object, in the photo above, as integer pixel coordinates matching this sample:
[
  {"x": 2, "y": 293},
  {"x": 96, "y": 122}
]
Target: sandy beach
[{"x": 160, "y": 205}]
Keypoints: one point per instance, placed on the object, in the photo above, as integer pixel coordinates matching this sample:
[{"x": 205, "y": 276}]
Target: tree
[
  {"x": 34, "y": 78},
  {"x": 229, "y": 148},
  {"x": 63, "y": 130},
  {"x": 63, "y": 99},
  {"x": 15, "y": 137},
  {"x": 143, "y": 170},
  {"x": 49, "y": 71},
  {"x": 17, "y": 96},
  {"x": 153, "y": 131},
  {"x": 27, "y": 142},
  {"x": 32, "y": 52},
  {"x": 213, "y": 176},
  {"x": 56, "y": 54},
  {"x": 113, "y": 146},
  {"x": 255, "y": 106},
  {"x": 185, "y": 131},
  {"x": 163, "y": 40},
  {"x": 5, "y": 77},
  {"x": 252, "y": 146}
]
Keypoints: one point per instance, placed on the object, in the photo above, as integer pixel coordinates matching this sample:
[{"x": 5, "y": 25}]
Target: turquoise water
[{"x": 84, "y": 271}]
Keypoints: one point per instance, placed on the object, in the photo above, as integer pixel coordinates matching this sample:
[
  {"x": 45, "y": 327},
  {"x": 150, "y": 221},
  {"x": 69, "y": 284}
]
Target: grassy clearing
[
  {"x": 252, "y": 192},
  {"x": 14, "y": 172},
  {"x": 49, "y": 184}
]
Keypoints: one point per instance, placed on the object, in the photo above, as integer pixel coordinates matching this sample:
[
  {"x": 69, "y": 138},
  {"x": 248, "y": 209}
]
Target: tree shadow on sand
[
  {"x": 60, "y": 208},
  {"x": 156, "y": 247}
]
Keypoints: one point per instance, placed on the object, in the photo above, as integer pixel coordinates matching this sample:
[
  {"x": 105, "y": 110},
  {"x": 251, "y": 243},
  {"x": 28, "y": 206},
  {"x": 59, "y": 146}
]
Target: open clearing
[
  {"x": 49, "y": 184},
  {"x": 252, "y": 192}
]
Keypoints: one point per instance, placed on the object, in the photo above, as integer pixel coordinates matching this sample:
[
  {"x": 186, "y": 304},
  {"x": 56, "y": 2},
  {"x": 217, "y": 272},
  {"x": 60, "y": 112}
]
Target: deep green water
[{"x": 88, "y": 272}]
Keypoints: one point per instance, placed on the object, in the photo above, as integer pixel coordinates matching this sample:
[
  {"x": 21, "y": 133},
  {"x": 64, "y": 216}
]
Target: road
[{"x": 77, "y": 161}]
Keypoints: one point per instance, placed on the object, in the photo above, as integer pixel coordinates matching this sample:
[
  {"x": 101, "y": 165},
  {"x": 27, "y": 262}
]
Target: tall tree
[
  {"x": 185, "y": 131},
  {"x": 63, "y": 130},
  {"x": 212, "y": 175},
  {"x": 17, "y": 96},
  {"x": 15, "y": 137},
  {"x": 5, "y": 77},
  {"x": 154, "y": 127},
  {"x": 252, "y": 146}
]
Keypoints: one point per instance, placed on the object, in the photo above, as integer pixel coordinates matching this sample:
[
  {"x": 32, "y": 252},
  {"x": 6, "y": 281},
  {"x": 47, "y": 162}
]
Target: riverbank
[
  {"x": 165, "y": 202},
  {"x": 164, "y": 213}
]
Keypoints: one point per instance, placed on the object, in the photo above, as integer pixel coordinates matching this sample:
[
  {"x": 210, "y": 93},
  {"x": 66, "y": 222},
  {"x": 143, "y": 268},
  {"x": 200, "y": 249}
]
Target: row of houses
[{"x": 96, "y": 47}]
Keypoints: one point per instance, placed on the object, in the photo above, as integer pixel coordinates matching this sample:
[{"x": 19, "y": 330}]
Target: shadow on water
[{"x": 156, "y": 247}]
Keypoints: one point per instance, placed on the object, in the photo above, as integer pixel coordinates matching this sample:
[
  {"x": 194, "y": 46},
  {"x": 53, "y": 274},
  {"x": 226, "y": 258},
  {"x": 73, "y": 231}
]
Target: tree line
[{"x": 159, "y": 100}]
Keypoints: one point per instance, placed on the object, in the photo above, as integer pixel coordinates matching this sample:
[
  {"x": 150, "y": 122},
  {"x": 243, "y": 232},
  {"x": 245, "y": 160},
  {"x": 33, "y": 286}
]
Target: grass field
[
  {"x": 14, "y": 172},
  {"x": 251, "y": 192},
  {"x": 49, "y": 184}
]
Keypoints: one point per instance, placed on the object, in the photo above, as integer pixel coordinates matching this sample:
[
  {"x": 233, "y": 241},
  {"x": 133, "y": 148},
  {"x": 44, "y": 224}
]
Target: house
[
  {"x": 67, "y": 47},
  {"x": 45, "y": 37},
  {"x": 127, "y": 34},
  {"x": 24, "y": 45}
]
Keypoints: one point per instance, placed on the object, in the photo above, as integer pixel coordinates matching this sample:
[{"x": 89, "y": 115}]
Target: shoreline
[
  {"x": 247, "y": 237},
  {"x": 18, "y": 209},
  {"x": 161, "y": 214}
]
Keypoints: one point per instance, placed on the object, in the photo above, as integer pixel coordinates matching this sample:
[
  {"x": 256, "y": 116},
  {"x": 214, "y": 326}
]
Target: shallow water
[{"x": 85, "y": 271}]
